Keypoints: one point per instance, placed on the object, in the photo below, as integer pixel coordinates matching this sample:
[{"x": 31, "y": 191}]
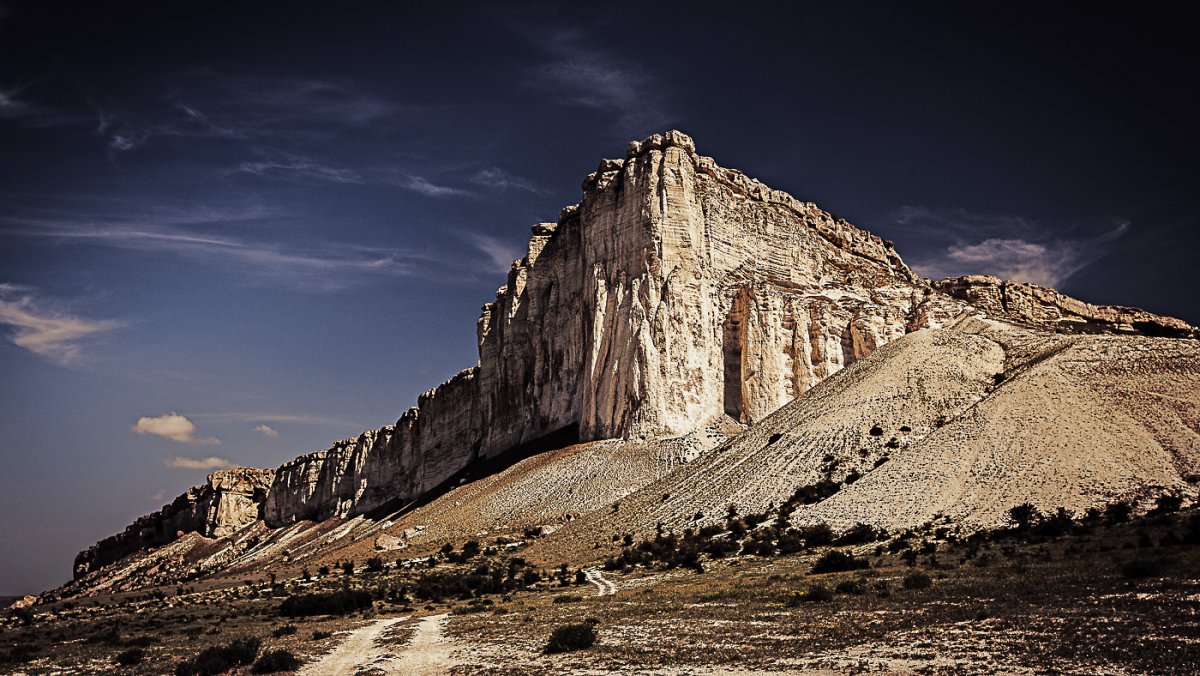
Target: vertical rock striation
[{"x": 675, "y": 292}]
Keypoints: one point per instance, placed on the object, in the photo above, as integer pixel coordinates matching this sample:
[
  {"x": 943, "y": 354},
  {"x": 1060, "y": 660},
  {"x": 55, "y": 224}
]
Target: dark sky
[{"x": 278, "y": 225}]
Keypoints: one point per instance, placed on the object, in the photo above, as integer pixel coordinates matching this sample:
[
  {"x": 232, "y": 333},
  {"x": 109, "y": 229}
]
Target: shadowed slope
[{"x": 964, "y": 422}]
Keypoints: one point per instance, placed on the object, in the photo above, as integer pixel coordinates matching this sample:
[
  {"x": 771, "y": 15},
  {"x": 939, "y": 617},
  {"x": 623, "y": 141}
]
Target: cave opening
[{"x": 733, "y": 342}]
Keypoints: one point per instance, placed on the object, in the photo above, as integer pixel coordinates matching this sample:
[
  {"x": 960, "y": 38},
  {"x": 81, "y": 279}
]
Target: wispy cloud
[
  {"x": 278, "y": 418},
  {"x": 45, "y": 330},
  {"x": 18, "y": 108},
  {"x": 497, "y": 178},
  {"x": 189, "y": 233},
  {"x": 580, "y": 74},
  {"x": 266, "y": 430},
  {"x": 1005, "y": 246},
  {"x": 172, "y": 426},
  {"x": 498, "y": 254},
  {"x": 297, "y": 168},
  {"x": 294, "y": 166},
  {"x": 212, "y": 105},
  {"x": 211, "y": 462}
]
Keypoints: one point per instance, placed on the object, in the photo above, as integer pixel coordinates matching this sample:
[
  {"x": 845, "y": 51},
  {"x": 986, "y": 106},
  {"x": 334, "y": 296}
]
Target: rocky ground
[{"x": 1098, "y": 596}]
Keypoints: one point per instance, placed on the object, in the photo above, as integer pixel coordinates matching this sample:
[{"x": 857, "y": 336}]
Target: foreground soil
[{"x": 1114, "y": 599}]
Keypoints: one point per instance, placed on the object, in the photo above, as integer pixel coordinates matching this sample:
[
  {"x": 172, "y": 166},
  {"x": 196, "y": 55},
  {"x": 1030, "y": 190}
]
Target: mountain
[{"x": 678, "y": 304}]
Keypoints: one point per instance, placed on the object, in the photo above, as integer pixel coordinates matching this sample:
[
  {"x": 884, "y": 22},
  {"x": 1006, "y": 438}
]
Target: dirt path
[
  {"x": 359, "y": 652},
  {"x": 427, "y": 653},
  {"x": 603, "y": 586}
]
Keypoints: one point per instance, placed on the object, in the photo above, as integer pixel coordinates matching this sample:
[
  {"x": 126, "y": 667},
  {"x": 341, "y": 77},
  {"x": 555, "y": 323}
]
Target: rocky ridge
[
  {"x": 229, "y": 500},
  {"x": 676, "y": 293}
]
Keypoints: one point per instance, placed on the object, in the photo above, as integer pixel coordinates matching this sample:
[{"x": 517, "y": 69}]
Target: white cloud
[
  {"x": 1009, "y": 247},
  {"x": 495, "y": 177},
  {"x": 158, "y": 495},
  {"x": 174, "y": 427},
  {"x": 211, "y": 462},
  {"x": 267, "y": 430},
  {"x": 581, "y": 75},
  {"x": 423, "y": 186},
  {"x": 498, "y": 253},
  {"x": 303, "y": 168},
  {"x": 188, "y": 232},
  {"x": 203, "y": 104},
  {"x": 260, "y": 417},
  {"x": 50, "y": 333}
]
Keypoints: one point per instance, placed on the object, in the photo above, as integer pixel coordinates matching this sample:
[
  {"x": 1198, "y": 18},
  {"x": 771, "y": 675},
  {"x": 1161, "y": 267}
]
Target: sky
[{"x": 231, "y": 234}]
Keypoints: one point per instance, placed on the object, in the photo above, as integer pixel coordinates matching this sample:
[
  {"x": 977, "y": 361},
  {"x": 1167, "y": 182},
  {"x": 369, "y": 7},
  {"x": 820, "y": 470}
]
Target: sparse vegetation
[
  {"x": 218, "y": 660},
  {"x": 571, "y": 637},
  {"x": 332, "y": 603},
  {"x": 275, "y": 661},
  {"x": 834, "y": 561},
  {"x": 917, "y": 580}
]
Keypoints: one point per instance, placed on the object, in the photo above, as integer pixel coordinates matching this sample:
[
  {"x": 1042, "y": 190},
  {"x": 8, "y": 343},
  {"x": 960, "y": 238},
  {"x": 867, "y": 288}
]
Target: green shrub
[
  {"x": 275, "y": 661},
  {"x": 855, "y": 587},
  {"x": 570, "y": 637},
  {"x": 834, "y": 561},
  {"x": 19, "y": 654},
  {"x": 917, "y": 580},
  {"x": 860, "y": 533},
  {"x": 1024, "y": 516},
  {"x": 1141, "y": 568},
  {"x": 131, "y": 657},
  {"x": 817, "y": 593},
  {"x": 1118, "y": 512},
  {"x": 332, "y": 603},
  {"x": 218, "y": 660}
]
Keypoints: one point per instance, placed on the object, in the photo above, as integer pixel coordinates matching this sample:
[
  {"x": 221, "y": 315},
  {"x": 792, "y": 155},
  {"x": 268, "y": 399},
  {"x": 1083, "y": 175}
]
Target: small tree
[{"x": 1024, "y": 516}]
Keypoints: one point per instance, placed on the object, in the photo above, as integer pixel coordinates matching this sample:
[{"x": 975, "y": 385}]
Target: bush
[
  {"x": 568, "y": 598},
  {"x": 817, "y": 593},
  {"x": 835, "y": 561},
  {"x": 1118, "y": 512},
  {"x": 855, "y": 587},
  {"x": 348, "y": 567},
  {"x": 131, "y": 657},
  {"x": 1141, "y": 568},
  {"x": 321, "y": 635},
  {"x": 219, "y": 660},
  {"x": 1167, "y": 504},
  {"x": 917, "y": 580},
  {"x": 375, "y": 564},
  {"x": 285, "y": 630},
  {"x": 570, "y": 637},
  {"x": 860, "y": 533},
  {"x": 276, "y": 660},
  {"x": 332, "y": 603},
  {"x": 19, "y": 654},
  {"x": 1023, "y": 516}
]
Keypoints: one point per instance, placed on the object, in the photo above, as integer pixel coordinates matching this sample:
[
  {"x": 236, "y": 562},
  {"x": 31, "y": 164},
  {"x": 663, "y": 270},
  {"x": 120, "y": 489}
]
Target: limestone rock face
[
  {"x": 229, "y": 500},
  {"x": 675, "y": 294},
  {"x": 1046, "y": 308}
]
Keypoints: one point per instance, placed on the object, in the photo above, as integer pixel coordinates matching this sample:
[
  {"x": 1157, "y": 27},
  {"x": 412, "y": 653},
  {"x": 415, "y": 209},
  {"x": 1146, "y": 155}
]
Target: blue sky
[{"x": 232, "y": 236}]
